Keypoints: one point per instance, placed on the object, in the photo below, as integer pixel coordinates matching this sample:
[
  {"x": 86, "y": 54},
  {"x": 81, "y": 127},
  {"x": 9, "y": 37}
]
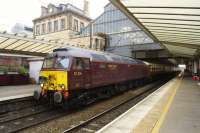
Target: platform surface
[
  {"x": 134, "y": 120},
  {"x": 184, "y": 113},
  {"x": 18, "y": 91}
]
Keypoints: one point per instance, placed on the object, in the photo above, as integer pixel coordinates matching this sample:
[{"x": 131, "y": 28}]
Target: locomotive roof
[{"x": 94, "y": 55}]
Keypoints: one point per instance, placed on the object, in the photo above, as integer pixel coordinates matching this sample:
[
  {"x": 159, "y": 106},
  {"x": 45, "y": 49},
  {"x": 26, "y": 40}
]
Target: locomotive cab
[
  {"x": 53, "y": 78},
  {"x": 61, "y": 74}
]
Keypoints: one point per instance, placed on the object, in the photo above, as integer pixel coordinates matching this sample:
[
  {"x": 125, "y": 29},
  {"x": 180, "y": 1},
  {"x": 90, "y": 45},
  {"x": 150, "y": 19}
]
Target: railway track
[
  {"x": 29, "y": 120},
  {"x": 11, "y": 116},
  {"x": 98, "y": 121},
  {"x": 15, "y": 104},
  {"x": 18, "y": 114},
  {"x": 34, "y": 115},
  {"x": 15, "y": 108}
]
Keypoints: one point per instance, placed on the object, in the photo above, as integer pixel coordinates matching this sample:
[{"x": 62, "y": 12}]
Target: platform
[
  {"x": 173, "y": 108},
  {"x": 19, "y": 91},
  {"x": 184, "y": 113}
]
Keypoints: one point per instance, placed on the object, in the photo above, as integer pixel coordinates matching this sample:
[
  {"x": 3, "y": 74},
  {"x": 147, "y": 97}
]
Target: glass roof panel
[
  {"x": 34, "y": 45},
  {"x": 183, "y": 41},
  {"x": 177, "y": 35},
  {"x": 168, "y": 17},
  {"x": 169, "y": 3},
  {"x": 174, "y": 32},
  {"x": 2, "y": 39},
  {"x": 173, "y": 28},
  {"x": 165, "y": 10},
  {"x": 178, "y": 49},
  {"x": 171, "y": 20},
  {"x": 17, "y": 44},
  {"x": 22, "y": 46},
  {"x": 50, "y": 50},
  {"x": 197, "y": 23},
  {"x": 7, "y": 43},
  {"x": 173, "y": 25},
  {"x": 39, "y": 47},
  {"x": 46, "y": 49},
  {"x": 20, "y": 43}
]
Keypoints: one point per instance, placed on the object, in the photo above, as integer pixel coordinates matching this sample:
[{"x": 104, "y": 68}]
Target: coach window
[
  {"x": 86, "y": 64},
  {"x": 78, "y": 64}
]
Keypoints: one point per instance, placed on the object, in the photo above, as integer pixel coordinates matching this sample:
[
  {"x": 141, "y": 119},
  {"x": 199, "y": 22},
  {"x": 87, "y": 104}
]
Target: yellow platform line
[{"x": 160, "y": 121}]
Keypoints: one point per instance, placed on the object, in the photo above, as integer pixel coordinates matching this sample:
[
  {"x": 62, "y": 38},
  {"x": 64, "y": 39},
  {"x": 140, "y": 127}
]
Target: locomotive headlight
[
  {"x": 41, "y": 85},
  {"x": 62, "y": 86}
]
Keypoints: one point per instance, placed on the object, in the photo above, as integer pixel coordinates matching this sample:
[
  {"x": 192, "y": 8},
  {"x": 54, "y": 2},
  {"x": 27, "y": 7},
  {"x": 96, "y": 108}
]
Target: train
[{"x": 72, "y": 76}]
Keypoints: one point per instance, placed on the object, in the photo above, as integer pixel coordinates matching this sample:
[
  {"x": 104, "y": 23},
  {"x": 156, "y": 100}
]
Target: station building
[{"x": 63, "y": 23}]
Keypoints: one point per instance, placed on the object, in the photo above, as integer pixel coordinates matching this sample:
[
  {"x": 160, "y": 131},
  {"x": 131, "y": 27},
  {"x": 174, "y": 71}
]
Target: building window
[
  {"x": 81, "y": 26},
  {"x": 96, "y": 43},
  {"x": 55, "y": 25},
  {"x": 50, "y": 10},
  {"x": 49, "y": 26},
  {"x": 43, "y": 28},
  {"x": 75, "y": 24},
  {"x": 37, "y": 29},
  {"x": 63, "y": 7},
  {"x": 62, "y": 24},
  {"x": 77, "y": 64}
]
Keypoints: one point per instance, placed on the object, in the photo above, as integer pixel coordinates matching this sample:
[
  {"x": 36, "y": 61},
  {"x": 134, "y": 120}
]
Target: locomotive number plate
[{"x": 77, "y": 73}]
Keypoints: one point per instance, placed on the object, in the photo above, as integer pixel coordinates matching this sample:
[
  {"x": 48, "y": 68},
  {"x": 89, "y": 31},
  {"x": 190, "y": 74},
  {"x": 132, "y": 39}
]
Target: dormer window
[
  {"x": 62, "y": 7},
  {"x": 50, "y": 10}
]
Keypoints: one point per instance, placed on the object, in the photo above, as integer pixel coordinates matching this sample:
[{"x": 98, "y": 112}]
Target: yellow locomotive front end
[{"x": 53, "y": 80}]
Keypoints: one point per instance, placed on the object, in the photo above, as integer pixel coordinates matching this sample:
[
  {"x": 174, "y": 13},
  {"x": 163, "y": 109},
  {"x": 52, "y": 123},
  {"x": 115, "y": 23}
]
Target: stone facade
[
  {"x": 98, "y": 42},
  {"x": 63, "y": 24}
]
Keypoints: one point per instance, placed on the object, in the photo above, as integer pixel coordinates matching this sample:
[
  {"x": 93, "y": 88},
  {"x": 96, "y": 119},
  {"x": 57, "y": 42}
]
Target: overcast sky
[{"x": 24, "y": 11}]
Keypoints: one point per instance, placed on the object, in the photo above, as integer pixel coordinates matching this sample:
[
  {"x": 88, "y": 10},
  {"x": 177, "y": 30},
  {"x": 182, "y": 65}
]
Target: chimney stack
[{"x": 86, "y": 8}]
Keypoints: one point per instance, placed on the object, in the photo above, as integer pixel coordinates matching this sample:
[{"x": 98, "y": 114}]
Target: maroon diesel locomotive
[{"x": 71, "y": 76}]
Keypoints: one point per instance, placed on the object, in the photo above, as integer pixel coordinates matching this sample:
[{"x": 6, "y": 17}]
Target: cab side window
[
  {"x": 86, "y": 64},
  {"x": 78, "y": 64}
]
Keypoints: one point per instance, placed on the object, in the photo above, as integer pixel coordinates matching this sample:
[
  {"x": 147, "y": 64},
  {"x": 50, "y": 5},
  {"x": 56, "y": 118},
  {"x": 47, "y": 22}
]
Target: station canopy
[
  {"x": 175, "y": 24},
  {"x": 16, "y": 44}
]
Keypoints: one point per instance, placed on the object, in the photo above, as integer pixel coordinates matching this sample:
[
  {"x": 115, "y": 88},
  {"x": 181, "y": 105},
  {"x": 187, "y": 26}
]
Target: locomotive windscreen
[{"x": 56, "y": 63}]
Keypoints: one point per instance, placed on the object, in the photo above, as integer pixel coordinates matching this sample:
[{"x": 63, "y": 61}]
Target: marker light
[
  {"x": 63, "y": 86},
  {"x": 41, "y": 85}
]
